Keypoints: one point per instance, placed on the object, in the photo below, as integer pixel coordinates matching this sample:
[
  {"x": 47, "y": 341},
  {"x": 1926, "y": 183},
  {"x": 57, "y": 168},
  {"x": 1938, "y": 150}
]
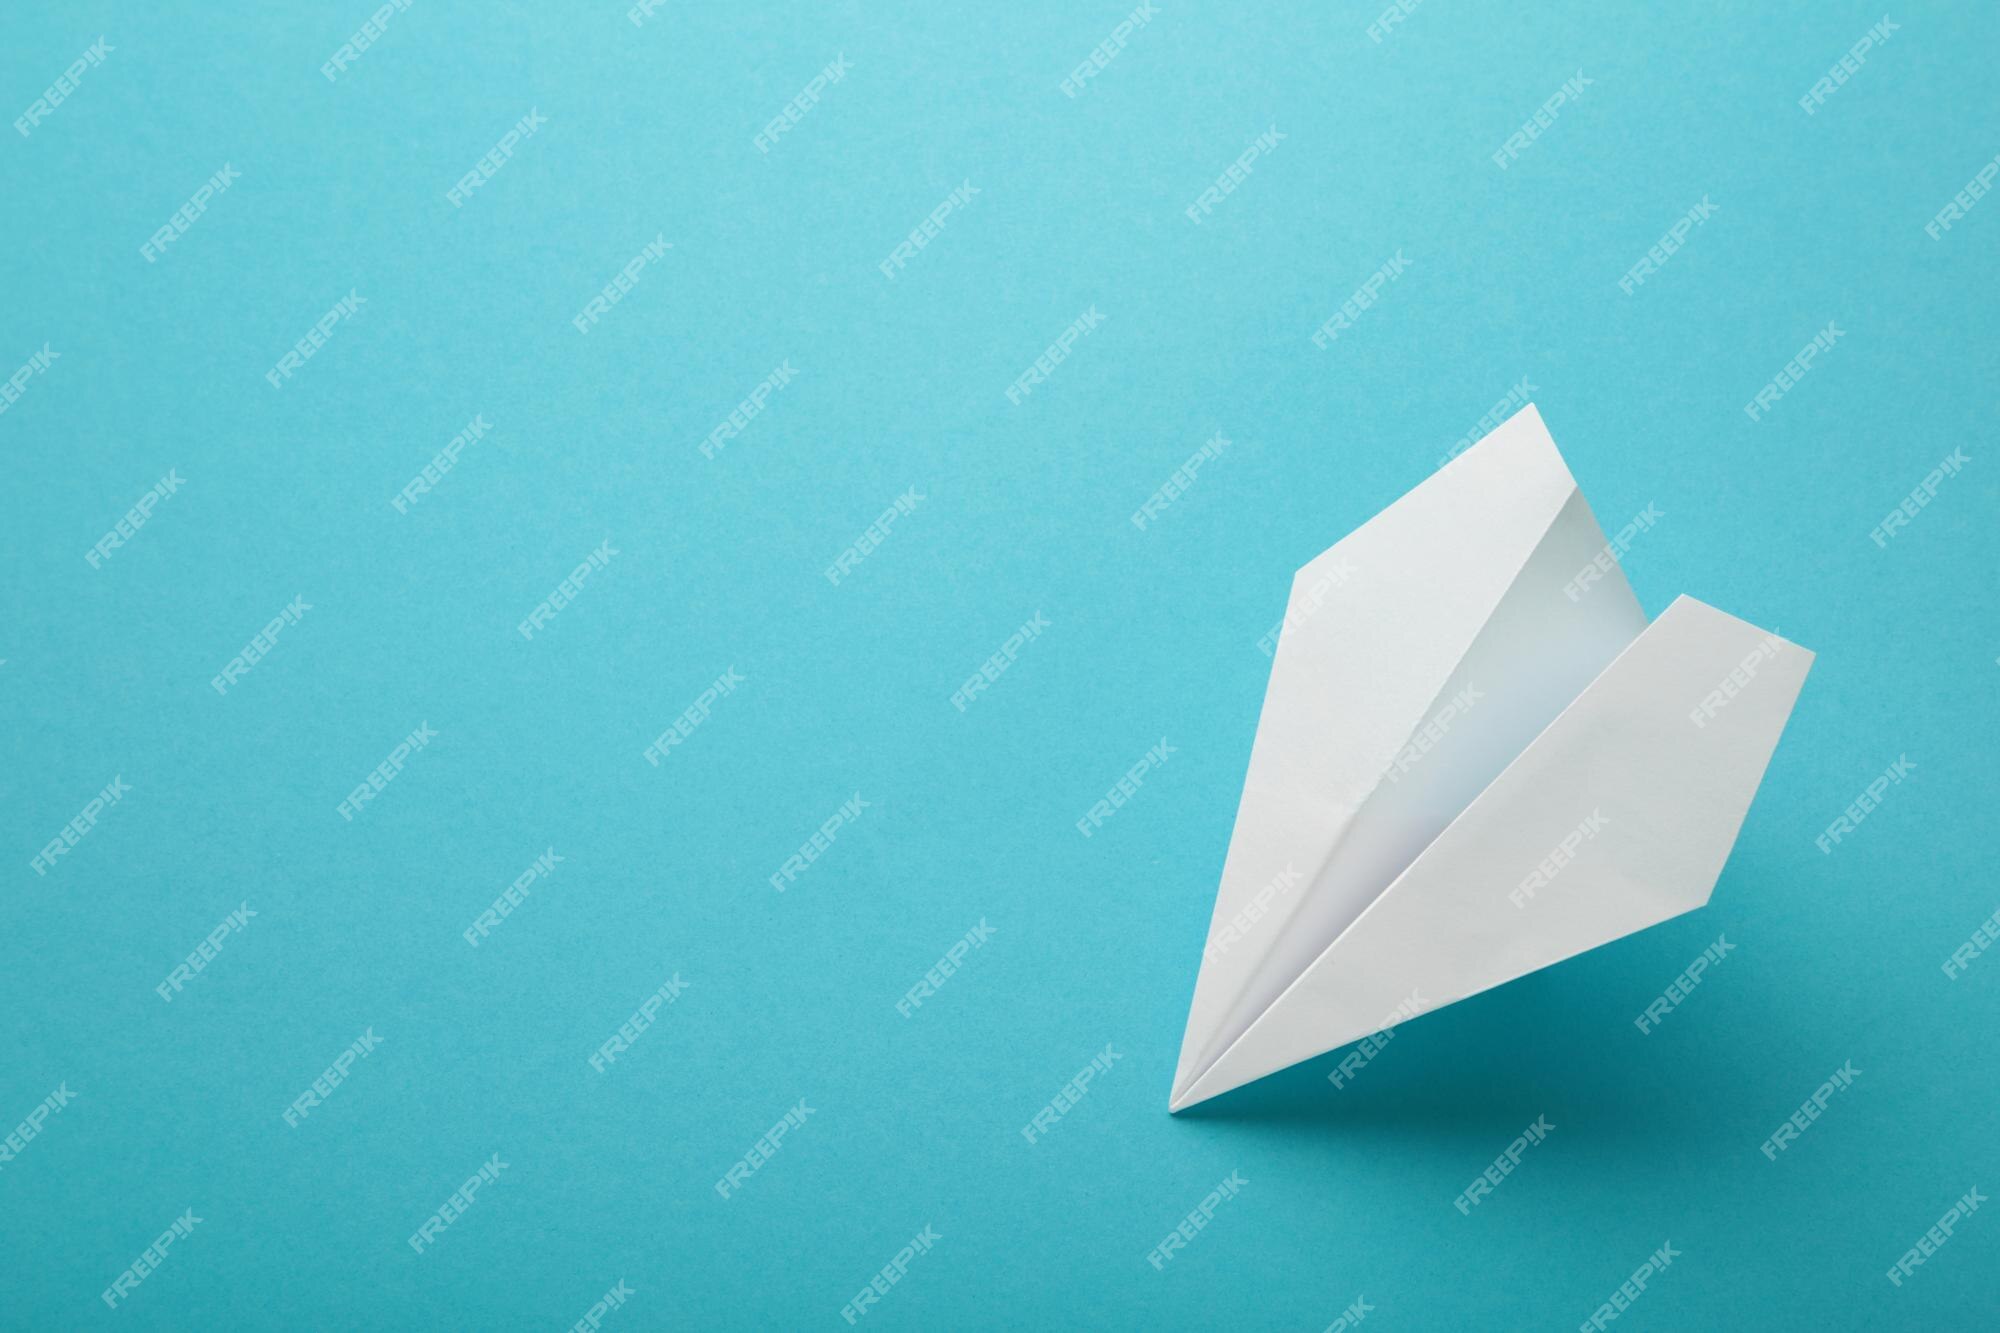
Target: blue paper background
[{"x": 902, "y": 384}]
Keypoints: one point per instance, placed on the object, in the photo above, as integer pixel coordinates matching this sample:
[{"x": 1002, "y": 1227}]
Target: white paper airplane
[{"x": 1475, "y": 759}]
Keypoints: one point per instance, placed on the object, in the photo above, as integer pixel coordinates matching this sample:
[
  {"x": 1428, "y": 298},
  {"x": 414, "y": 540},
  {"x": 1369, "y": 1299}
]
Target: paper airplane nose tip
[{"x": 1185, "y": 1095}]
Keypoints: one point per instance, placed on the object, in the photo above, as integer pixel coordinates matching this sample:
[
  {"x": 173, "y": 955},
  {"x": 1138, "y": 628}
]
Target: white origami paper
[{"x": 1475, "y": 759}]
